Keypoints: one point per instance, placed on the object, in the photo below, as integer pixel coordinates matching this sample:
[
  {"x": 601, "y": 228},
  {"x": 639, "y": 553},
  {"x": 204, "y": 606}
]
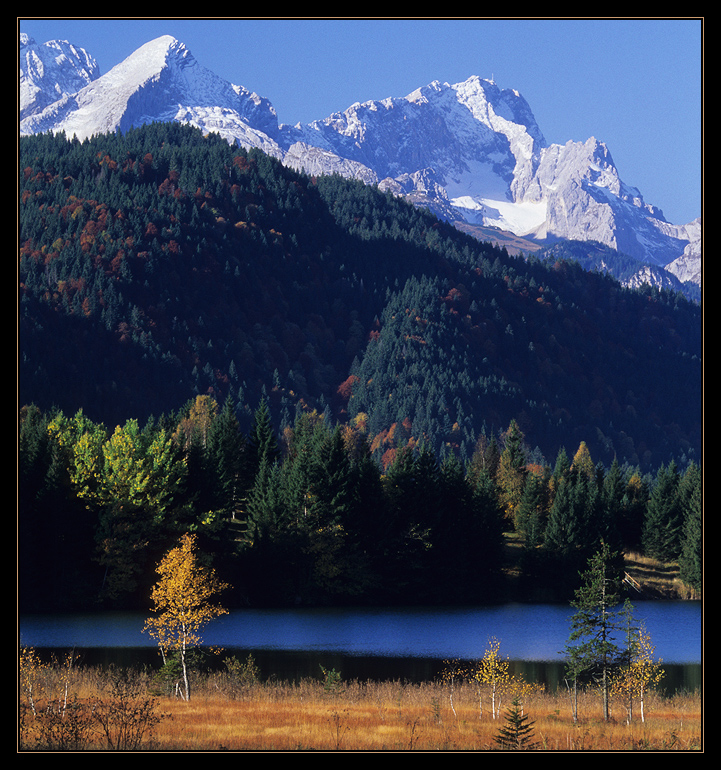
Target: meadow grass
[{"x": 363, "y": 716}]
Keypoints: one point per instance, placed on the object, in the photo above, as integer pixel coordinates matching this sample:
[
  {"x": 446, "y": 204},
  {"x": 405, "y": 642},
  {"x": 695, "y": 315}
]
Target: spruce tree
[
  {"x": 517, "y": 734},
  {"x": 229, "y": 458},
  {"x": 663, "y": 524},
  {"x": 530, "y": 516},
  {"x": 690, "y": 560},
  {"x": 612, "y": 491},
  {"x": 262, "y": 439},
  {"x": 593, "y": 652},
  {"x": 563, "y": 532},
  {"x": 265, "y": 511},
  {"x": 335, "y": 489}
]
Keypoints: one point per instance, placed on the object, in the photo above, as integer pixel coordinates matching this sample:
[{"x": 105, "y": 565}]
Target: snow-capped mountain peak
[
  {"x": 472, "y": 152},
  {"x": 160, "y": 81}
]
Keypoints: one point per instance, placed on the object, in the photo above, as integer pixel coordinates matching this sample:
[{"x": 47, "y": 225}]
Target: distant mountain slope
[
  {"x": 471, "y": 151},
  {"x": 159, "y": 264},
  {"x": 594, "y": 256}
]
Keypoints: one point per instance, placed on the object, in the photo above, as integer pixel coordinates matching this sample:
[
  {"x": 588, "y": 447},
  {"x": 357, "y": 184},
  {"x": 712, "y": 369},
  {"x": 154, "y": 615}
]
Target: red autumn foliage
[{"x": 345, "y": 389}]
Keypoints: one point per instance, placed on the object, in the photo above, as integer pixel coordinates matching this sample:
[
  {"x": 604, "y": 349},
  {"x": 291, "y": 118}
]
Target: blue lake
[{"x": 529, "y": 632}]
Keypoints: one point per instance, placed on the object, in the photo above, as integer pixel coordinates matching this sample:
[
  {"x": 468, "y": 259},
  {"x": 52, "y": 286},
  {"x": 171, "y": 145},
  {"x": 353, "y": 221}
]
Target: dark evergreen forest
[{"x": 321, "y": 380}]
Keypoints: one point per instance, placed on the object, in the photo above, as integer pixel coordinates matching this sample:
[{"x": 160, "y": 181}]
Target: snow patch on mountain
[{"x": 470, "y": 152}]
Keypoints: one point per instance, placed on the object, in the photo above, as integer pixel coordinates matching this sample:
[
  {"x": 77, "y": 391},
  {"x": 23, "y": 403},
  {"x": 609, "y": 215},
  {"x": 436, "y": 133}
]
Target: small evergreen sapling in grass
[{"x": 517, "y": 734}]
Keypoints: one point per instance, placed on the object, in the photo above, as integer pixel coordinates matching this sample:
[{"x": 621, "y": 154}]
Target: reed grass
[{"x": 391, "y": 716}]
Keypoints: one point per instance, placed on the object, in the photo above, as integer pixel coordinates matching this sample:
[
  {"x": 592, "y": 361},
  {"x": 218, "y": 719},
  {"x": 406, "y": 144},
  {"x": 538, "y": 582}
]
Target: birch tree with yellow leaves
[
  {"x": 641, "y": 673},
  {"x": 492, "y": 672},
  {"x": 183, "y": 604}
]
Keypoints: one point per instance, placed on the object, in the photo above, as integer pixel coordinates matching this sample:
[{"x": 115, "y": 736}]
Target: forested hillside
[
  {"x": 206, "y": 337},
  {"x": 160, "y": 265}
]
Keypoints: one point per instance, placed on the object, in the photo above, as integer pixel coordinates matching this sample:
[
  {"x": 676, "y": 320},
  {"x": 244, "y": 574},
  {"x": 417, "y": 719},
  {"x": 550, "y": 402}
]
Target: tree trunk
[
  {"x": 605, "y": 694},
  {"x": 185, "y": 673},
  {"x": 574, "y": 698}
]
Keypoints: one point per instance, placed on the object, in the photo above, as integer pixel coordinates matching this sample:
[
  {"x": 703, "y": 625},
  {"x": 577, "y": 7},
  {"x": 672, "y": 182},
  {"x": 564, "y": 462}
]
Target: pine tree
[
  {"x": 664, "y": 517},
  {"x": 612, "y": 491},
  {"x": 511, "y": 475},
  {"x": 263, "y": 507},
  {"x": 691, "y": 558},
  {"x": 302, "y": 471},
  {"x": 518, "y": 733},
  {"x": 593, "y": 652},
  {"x": 228, "y": 457},
  {"x": 560, "y": 473},
  {"x": 408, "y": 533},
  {"x": 563, "y": 531},
  {"x": 530, "y": 516},
  {"x": 635, "y": 500},
  {"x": 262, "y": 440},
  {"x": 336, "y": 491}
]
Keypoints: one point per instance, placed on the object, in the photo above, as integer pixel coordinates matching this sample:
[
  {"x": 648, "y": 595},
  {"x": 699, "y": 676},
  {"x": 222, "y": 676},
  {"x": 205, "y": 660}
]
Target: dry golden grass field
[{"x": 224, "y": 714}]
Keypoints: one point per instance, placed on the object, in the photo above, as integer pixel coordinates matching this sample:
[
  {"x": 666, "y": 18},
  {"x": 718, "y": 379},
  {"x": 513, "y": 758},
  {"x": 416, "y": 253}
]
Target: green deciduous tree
[
  {"x": 130, "y": 467},
  {"x": 140, "y": 482}
]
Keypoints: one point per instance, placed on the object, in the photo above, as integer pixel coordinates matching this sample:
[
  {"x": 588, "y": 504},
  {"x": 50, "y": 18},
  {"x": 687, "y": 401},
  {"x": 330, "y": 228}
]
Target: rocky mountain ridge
[{"x": 470, "y": 152}]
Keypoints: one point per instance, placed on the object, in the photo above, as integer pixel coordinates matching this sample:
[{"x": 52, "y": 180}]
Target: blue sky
[{"x": 635, "y": 84}]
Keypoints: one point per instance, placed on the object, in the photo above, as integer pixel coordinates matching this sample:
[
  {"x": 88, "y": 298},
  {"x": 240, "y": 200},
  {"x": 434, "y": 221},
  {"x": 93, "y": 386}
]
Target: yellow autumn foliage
[{"x": 182, "y": 598}]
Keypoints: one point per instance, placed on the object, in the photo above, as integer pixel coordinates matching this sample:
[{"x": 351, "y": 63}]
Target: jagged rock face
[
  {"x": 50, "y": 71},
  {"x": 316, "y": 161},
  {"x": 470, "y": 152},
  {"x": 586, "y": 200},
  {"x": 687, "y": 267},
  {"x": 492, "y": 167},
  {"x": 460, "y": 134},
  {"x": 437, "y": 127}
]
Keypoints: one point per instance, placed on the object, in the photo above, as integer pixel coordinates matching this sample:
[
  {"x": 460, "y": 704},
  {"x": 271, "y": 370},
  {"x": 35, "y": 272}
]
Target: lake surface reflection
[
  {"x": 396, "y": 644},
  {"x": 529, "y": 632}
]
